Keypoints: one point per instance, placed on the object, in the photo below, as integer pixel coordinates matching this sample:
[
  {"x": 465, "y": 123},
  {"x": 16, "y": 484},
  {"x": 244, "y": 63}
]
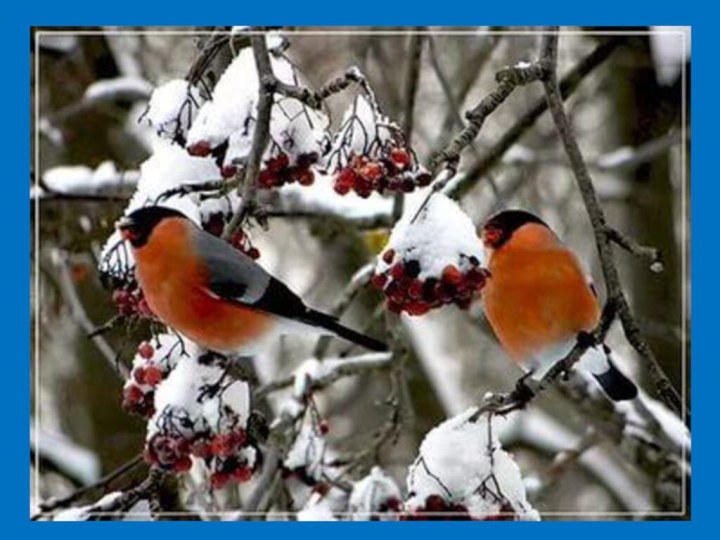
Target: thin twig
[
  {"x": 568, "y": 85},
  {"x": 261, "y": 135}
]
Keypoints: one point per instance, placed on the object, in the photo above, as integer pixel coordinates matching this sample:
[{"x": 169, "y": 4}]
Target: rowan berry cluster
[
  {"x": 150, "y": 368},
  {"x": 393, "y": 169},
  {"x": 406, "y": 291},
  {"x": 130, "y": 301}
]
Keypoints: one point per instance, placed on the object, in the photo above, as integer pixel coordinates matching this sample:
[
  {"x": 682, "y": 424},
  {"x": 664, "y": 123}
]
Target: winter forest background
[{"x": 338, "y": 433}]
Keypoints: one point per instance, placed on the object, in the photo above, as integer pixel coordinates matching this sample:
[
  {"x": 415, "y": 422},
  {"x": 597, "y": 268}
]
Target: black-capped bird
[
  {"x": 538, "y": 299},
  {"x": 210, "y": 292}
]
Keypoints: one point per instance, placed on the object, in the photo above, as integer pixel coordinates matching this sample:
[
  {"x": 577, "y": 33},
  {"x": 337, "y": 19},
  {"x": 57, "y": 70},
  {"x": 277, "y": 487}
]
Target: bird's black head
[
  {"x": 137, "y": 226},
  {"x": 500, "y": 228}
]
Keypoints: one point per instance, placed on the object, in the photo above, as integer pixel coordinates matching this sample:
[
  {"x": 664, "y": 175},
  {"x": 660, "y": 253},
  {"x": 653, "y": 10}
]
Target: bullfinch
[
  {"x": 538, "y": 299},
  {"x": 210, "y": 292}
]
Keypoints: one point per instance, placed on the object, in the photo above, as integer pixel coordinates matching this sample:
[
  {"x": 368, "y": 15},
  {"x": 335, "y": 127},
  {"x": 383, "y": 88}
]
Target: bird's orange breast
[
  {"x": 174, "y": 282},
  {"x": 537, "y": 296}
]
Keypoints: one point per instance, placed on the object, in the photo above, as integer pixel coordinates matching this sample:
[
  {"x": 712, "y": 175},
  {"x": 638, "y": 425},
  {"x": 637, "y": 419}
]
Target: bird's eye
[{"x": 491, "y": 237}]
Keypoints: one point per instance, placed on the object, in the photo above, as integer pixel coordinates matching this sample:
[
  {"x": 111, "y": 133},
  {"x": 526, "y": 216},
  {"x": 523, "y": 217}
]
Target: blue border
[{"x": 15, "y": 270}]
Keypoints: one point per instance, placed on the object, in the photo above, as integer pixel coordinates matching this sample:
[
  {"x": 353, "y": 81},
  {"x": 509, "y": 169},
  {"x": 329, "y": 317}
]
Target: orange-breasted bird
[
  {"x": 538, "y": 299},
  {"x": 210, "y": 292}
]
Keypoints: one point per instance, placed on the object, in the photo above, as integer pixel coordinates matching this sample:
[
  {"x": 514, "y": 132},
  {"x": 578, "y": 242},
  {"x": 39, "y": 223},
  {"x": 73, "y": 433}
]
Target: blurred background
[{"x": 630, "y": 112}]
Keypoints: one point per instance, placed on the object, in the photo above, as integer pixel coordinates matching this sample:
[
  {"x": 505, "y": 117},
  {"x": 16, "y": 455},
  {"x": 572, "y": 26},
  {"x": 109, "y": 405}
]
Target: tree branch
[
  {"x": 599, "y": 224},
  {"x": 568, "y": 85},
  {"x": 261, "y": 135}
]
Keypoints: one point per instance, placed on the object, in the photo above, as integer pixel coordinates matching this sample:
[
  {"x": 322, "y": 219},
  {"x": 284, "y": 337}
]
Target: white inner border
[{"x": 683, "y": 34}]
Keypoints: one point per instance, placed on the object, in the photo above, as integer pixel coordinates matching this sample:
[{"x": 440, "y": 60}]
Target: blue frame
[{"x": 704, "y": 193}]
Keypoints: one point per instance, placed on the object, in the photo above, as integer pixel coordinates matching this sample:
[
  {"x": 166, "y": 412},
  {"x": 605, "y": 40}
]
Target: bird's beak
[{"x": 124, "y": 225}]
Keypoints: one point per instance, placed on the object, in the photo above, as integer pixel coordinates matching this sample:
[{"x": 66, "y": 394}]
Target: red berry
[
  {"x": 242, "y": 474},
  {"x": 400, "y": 158},
  {"x": 415, "y": 289},
  {"x": 132, "y": 394},
  {"x": 184, "y": 464},
  {"x": 228, "y": 171},
  {"x": 435, "y": 503},
  {"x": 199, "y": 149},
  {"x": 305, "y": 177},
  {"x": 408, "y": 186},
  {"x": 379, "y": 280},
  {"x": 417, "y": 308},
  {"x": 143, "y": 308},
  {"x": 253, "y": 253},
  {"x": 153, "y": 375},
  {"x": 139, "y": 375},
  {"x": 218, "y": 480},
  {"x": 324, "y": 427},
  {"x": 393, "y": 306},
  {"x": 267, "y": 179},
  {"x": 146, "y": 351},
  {"x": 372, "y": 171},
  {"x": 423, "y": 179},
  {"x": 397, "y": 270},
  {"x": 223, "y": 445},
  {"x": 278, "y": 163},
  {"x": 394, "y": 504},
  {"x": 201, "y": 449},
  {"x": 341, "y": 189},
  {"x": 451, "y": 275},
  {"x": 388, "y": 256}
]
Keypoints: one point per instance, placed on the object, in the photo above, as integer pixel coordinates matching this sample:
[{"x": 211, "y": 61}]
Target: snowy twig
[
  {"x": 599, "y": 223},
  {"x": 343, "y": 368},
  {"x": 567, "y": 86},
  {"x": 261, "y": 136},
  {"x": 507, "y": 80},
  {"x": 631, "y": 246},
  {"x": 315, "y": 100}
]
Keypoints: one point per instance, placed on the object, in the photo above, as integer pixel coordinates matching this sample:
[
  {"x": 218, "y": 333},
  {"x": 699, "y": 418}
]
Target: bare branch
[
  {"x": 599, "y": 224},
  {"x": 568, "y": 85}
]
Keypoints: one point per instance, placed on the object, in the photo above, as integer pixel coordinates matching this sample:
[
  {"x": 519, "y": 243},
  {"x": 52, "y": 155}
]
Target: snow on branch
[{"x": 482, "y": 482}]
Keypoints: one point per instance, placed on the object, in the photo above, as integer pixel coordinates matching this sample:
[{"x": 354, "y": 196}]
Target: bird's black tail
[
  {"x": 615, "y": 384},
  {"x": 323, "y": 320}
]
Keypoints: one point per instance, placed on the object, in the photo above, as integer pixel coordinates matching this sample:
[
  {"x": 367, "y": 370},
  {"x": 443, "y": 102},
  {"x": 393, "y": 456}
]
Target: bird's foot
[{"x": 586, "y": 339}]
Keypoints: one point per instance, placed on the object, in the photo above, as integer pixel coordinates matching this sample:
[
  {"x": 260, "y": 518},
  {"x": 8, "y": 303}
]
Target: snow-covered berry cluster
[
  {"x": 225, "y": 126},
  {"x": 482, "y": 482},
  {"x": 201, "y": 417},
  {"x": 375, "y": 497},
  {"x": 369, "y": 155},
  {"x": 172, "y": 109},
  {"x": 152, "y": 363},
  {"x": 431, "y": 260}
]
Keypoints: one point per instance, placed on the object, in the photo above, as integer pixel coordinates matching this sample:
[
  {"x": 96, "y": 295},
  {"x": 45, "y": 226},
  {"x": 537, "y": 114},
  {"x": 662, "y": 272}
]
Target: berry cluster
[
  {"x": 278, "y": 171},
  {"x": 129, "y": 301},
  {"x": 228, "y": 455},
  {"x": 394, "y": 170},
  {"x": 149, "y": 370},
  {"x": 215, "y": 224},
  {"x": 405, "y": 290},
  {"x": 436, "y": 508}
]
